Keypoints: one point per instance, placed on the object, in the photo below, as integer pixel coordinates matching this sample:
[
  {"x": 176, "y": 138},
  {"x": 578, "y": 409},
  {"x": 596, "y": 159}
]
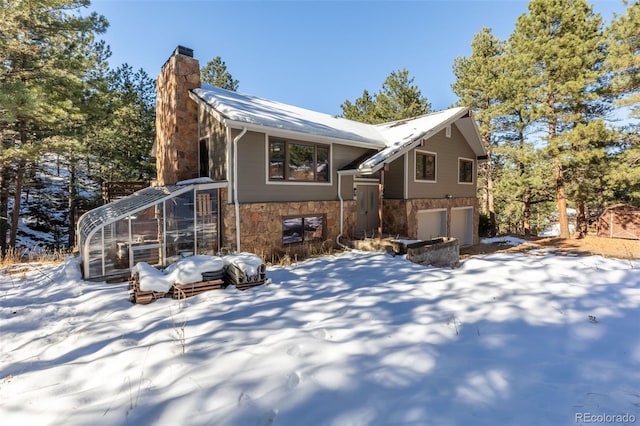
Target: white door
[
  {"x": 432, "y": 224},
  {"x": 462, "y": 225}
]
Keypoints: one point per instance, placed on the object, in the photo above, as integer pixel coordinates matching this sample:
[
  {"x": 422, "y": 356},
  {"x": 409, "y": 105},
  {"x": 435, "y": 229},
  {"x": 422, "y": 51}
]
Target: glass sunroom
[{"x": 157, "y": 225}]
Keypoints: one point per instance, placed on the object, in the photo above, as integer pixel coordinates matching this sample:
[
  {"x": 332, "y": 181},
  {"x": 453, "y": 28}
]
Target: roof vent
[{"x": 181, "y": 50}]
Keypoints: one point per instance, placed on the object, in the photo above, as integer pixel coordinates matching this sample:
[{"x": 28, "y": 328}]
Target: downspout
[
  {"x": 342, "y": 246},
  {"x": 235, "y": 185}
]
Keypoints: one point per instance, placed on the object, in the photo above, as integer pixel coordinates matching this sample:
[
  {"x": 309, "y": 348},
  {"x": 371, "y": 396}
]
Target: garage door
[
  {"x": 432, "y": 224},
  {"x": 462, "y": 225}
]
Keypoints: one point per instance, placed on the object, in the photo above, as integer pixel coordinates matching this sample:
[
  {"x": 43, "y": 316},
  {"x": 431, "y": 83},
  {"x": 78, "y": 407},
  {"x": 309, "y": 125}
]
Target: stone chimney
[{"x": 177, "y": 118}]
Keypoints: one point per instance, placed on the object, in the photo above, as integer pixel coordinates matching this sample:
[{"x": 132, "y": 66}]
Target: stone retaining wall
[{"x": 439, "y": 254}]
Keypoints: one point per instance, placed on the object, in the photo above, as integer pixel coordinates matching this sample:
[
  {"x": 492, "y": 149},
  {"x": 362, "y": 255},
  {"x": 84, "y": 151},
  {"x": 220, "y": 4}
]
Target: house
[{"x": 267, "y": 177}]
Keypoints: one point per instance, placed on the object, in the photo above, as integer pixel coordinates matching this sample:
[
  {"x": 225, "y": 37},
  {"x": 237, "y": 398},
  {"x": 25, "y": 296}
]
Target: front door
[{"x": 368, "y": 220}]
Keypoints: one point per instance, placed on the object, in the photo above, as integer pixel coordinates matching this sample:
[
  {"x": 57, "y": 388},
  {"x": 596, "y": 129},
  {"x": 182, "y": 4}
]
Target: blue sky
[{"x": 313, "y": 54}]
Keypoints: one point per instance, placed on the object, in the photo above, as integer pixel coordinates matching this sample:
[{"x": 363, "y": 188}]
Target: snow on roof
[
  {"x": 261, "y": 112},
  {"x": 393, "y": 139},
  {"x": 400, "y": 135}
]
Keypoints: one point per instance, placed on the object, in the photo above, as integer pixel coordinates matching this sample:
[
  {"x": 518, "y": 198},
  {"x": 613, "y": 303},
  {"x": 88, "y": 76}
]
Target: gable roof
[
  {"x": 259, "y": 113},
  {"x": 391, "y": 140},
  {"x": 403, "y": 135}
]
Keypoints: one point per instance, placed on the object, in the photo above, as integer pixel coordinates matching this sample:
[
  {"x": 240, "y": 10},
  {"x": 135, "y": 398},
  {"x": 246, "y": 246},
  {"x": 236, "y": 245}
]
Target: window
[
  {"x": 465, "y": 170},
  {"x": 204, "y": 157},
  {"x": 302, "y": 229},
  {"x": 425, "y": 166},
  {"x": 298, "y": 161}
]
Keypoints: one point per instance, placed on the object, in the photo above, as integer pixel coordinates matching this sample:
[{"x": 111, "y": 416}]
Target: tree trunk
[
  {"x": 72, "y": 205},
  {"x": 581, "y": 220},
  {"x": 559, "y": 178},
  {"x": 561, "y": 199},
  {"x": 490, "y": 202},
  {"x": 4, "y": 210},
  {"x": 526, "y": 200},
  {"x": 526, "y": 216},
  {"x": 17, "y": 192},
  {"x": 17, "y": 198}
]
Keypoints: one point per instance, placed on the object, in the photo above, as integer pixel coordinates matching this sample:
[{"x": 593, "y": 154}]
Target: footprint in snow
[
  {"x": 244, "y": 400},
  {"x": 295, "y": 351},
  {"x": 342, "y": 311},
  {"x": 321, "y": 334},
  {"x": 268, "y": 418},
  {"x": 294, "y": 380}
]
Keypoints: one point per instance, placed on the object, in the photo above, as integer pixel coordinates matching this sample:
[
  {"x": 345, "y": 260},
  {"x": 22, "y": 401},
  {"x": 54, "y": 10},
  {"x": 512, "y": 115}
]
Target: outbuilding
[{"x": 620, "y": 221}]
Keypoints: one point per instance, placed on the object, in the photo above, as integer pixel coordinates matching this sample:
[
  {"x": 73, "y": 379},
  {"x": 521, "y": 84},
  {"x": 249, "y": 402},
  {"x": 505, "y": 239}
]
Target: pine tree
[
  {"x": 398, "y": 99},
  {"x": 623, "y": 59},
  {"x": 363, "y": 109},
  {"x": 559, "y": 45},
  {"x": 588, "y": 163},
  {"x": 45, "y": 51},
  {"x": 477, "y": 83},
  {"x": 215, "y": 73}
]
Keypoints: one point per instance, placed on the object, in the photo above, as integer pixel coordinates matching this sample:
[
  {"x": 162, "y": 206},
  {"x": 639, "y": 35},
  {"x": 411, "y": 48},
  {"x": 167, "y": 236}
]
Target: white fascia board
[
  {"x": 301, "y": 136},
  {"x": 403, "y": 150},
  {"x": 429, "y": 133},
  {"x": 348, "y": 172}
]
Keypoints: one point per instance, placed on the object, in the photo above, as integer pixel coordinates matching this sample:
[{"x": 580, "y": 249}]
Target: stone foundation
[{"x": 261, "y": 225}]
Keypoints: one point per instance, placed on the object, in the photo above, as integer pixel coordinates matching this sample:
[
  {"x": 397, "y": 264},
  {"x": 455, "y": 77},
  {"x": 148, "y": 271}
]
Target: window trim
[
  {"x": 303, "y": 217},
  {"x": 415, "y": 165},
  {"x": 285, "y": 180},
  {"x": 470, "y": 160}
]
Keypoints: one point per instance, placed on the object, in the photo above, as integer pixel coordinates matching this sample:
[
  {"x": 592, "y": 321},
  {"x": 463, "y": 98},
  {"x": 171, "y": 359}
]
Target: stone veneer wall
[
  {"x": 177, "y": 120},
  {"x": 400, "y": 216},
  {"x": 261, "y": 223},
  {"x": 394, "y": 217}
]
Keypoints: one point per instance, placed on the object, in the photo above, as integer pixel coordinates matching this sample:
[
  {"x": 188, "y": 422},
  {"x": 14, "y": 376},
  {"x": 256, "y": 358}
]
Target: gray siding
[
  {"x": 252, "y": 174},
  {"x": 394, "y": 179},
  {"x": 447, "y": 150},
  {"x": 215, "y": 133},
  {"x": 347, "y": 187}
]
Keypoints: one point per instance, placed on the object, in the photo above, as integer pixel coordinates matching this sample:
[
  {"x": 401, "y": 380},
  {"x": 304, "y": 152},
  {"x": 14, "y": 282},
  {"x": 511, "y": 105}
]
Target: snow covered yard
[{"x": 354, "y": 339}]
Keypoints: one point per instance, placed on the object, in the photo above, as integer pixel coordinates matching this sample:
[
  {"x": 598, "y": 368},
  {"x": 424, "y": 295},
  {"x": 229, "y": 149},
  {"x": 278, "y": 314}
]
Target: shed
[
  {"x": 157, "y": 225},
  {"x": 620, "y": 221}
]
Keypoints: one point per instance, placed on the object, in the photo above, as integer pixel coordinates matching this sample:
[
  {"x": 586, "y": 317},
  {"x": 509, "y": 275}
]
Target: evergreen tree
[
  {"x": 477, "y": 83},
  {"x": 45, "y": 52},
  {"x": 560, "y": 48},
  {"x": 215, "y": 73},
  {"x": 398, "y": 99},
  {"x": 623, "y": 58},
  {"x": 363, "y": 109},
  {"x": 622, "y": 178},
  {"x": 588, "y": 162}
]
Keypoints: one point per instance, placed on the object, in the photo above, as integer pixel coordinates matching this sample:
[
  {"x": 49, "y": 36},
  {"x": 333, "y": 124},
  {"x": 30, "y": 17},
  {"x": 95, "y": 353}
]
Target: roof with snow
[
  {"x": 247, "y": 110},
  {"x": 391, "y": 140}
]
